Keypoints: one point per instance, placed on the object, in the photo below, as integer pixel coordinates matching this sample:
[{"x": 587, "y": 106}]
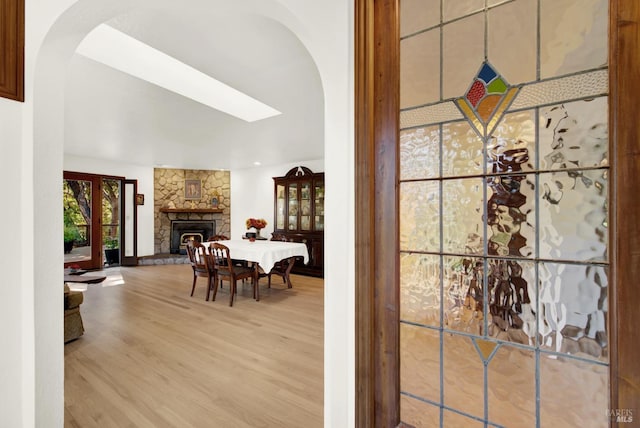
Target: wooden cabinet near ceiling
[
  {"x": 299, "y": 215},
  {"x": 12, "y": 49}
]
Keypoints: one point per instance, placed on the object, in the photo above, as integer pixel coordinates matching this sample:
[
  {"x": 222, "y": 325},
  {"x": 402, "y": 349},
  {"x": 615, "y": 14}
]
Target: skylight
[{"x": 117, "y": 50}]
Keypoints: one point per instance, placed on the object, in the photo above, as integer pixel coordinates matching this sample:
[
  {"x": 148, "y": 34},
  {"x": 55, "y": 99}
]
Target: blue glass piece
[{"x": 487, "y": 73}]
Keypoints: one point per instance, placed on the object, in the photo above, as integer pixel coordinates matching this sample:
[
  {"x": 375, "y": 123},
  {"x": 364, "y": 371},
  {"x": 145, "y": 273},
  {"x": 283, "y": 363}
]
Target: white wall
[
  {"x": 144, "y": 175},
  {"x": 32, "y": 141},
  {"x": 16, "y": 316},
  {"x": 252, "y": 194}
]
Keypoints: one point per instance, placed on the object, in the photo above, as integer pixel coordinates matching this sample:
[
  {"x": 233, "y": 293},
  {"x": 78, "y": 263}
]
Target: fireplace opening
[{"x": 182, "y": 231}]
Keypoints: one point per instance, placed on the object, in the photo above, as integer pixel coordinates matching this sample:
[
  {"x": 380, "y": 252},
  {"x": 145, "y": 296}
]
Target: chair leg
[
  {"x": 193, "y": 287},
  {"x": 208, "y": 288},
  {"x": 214, "y": 284},
  {"x": 232, "y": 291}
]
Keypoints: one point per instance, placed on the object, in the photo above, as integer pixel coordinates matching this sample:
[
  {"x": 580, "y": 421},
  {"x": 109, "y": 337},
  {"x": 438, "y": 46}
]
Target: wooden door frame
[
  {"x": 12, "y": 58},
  {"x": 376, "y": 208}
]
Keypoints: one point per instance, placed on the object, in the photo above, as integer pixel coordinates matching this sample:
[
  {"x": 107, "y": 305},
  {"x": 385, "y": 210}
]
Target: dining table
[{"x": 265, "y": 253}]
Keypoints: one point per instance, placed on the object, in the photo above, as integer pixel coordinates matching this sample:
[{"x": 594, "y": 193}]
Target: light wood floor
[{"x": 152, "y": 356}]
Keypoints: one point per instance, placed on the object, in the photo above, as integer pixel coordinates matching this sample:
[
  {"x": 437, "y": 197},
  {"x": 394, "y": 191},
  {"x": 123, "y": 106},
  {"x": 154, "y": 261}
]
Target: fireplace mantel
[{"x": 192, "y": 210}]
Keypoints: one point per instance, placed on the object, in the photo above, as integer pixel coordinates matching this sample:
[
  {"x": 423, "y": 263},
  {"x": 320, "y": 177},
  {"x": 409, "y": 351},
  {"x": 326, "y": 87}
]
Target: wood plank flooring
[{"x": 152, "y": 356}]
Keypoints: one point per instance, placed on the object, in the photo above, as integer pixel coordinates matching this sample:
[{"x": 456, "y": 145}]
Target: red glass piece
[{"x": 476, "y": 92}]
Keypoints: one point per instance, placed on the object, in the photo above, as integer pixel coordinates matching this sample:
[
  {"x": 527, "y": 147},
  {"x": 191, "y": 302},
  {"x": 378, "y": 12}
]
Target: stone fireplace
[
  {"x": 174, "y": 207},
  {"x": 183, "y": 231}
]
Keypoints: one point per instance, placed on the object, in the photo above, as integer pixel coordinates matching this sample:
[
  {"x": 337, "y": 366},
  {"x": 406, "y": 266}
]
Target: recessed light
[
  {"x": 257, "y": 163},
  {"x": 118, "y": 50}
]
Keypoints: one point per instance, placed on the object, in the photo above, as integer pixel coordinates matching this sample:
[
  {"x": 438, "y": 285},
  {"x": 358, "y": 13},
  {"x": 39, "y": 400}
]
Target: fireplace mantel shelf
[{"x": 192, "y": 210}]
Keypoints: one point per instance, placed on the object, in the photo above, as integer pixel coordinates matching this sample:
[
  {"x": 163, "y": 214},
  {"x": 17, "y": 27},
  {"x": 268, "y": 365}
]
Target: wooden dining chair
[
  {"x": 281, "y": 268},
  {"x": 202, "y": 266},
  {"x": 227, "y": 270}
]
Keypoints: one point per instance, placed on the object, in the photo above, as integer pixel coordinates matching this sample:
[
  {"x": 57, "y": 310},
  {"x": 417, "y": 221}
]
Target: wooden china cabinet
[{"x": 299, "y": 215}]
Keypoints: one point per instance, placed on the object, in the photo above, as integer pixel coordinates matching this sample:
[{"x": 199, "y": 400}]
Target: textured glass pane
[
  {"x": 573, "y": 309},
  {"x": 511, "y": 215},
  {"x": 420, "y": 153},
  {"x": 512, "y": 144},
  {"x": 463, "y": 376},
  {"x": 511, "y": 379},
  {"x": 591, "y": 84},
  {"x": 463, "y": 53},
  {"x": 455, "y": 420},
  {"x": 420, "y": 69},
  {"x": 453, "y": 9},
  {"x": 462, "y": 150},
  {"x": 436, "y": 113},
  {"x": 512, "y": 40},
  {"x": 512, "y": 294},
  {"x": 573, "y": 36},
  {"x": 463, "y": 216},
  {"x": 420, "y": 362},
  {"x": 573, "y": 215},
  {"x": 463, "y": 294},
  {"x": 419, "y": 216},
  {"x": 417, "y": 15},
  {"x": 419, "y": 414},
  {"x": 462, "y": 219},
  {"x": 420, "y": 289},
  {"x": 574, "y": 135},
  {"x": 573, "y": 393}
]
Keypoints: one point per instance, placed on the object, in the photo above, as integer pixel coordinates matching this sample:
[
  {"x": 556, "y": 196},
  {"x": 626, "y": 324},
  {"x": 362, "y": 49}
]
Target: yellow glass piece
[
  {"x": 470, "y": 114},
  {"x": 485, "y": 347}
]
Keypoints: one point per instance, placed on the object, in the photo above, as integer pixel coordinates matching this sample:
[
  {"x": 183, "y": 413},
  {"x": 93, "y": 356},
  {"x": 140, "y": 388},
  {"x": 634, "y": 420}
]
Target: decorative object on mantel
[
  {"x": 257, "y": 224},
  {"x": 215, "y": 200},
  {"x": 192, "y": 189}
]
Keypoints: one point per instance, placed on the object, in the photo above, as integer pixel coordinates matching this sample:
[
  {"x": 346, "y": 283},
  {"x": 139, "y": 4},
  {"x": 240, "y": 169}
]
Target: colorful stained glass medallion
[{"x": 486, "y": 99}]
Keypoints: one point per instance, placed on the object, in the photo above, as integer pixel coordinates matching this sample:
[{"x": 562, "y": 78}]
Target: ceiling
[{"x": 114, "y": 116}]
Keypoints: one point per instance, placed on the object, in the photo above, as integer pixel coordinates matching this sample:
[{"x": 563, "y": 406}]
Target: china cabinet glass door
[
  {"x": 319, "y": 205},
  {"x": 280, "y": 206},
  {"x": 293, "y": 207}
]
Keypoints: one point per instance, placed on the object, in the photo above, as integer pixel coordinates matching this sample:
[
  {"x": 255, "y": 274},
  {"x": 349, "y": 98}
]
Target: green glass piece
[{"x": 498, "y": 86}]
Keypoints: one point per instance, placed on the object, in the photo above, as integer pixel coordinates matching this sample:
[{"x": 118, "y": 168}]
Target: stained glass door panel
[{"x": 504, "y": 200}]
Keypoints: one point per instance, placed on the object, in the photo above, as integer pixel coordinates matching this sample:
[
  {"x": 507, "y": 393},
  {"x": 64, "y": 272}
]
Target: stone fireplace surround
[{"x": 168, "y": 218}]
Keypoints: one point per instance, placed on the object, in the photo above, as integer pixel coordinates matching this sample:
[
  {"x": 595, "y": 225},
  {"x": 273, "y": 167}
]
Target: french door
[
  {"x": 473, "y": 279},
  {"x": 94, "y": 231}
]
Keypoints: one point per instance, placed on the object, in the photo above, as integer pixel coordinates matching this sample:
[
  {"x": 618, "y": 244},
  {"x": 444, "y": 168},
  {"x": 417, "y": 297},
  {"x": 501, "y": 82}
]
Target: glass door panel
[
  {"x": 305, "y": 206},
  {"x": 319, "y": 205},
  {"x": 111, "y": 221},
  {"x": 293, "y": 207},
  {"x": 280, "y": 206},
  {"x": 503, "y": 191},
  {"x": 77, "y": 199}
]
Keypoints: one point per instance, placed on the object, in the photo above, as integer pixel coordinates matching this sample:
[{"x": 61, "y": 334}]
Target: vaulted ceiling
[{"x": 114, "y": 116}]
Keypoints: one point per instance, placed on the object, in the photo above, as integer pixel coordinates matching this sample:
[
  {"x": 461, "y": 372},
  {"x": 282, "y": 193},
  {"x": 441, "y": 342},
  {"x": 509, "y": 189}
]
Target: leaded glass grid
[{"x": 504, "y": 200}]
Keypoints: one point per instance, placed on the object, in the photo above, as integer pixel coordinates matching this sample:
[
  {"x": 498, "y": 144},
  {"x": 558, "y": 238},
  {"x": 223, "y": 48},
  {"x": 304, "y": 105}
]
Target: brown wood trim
[
  {"x": 12, "y": 49},
  {"x": 192, "y": 210},
  {"x": 624, "y": 318},
  {"x": 365, "y": 213},
  {"x": 377, "y": 258}
]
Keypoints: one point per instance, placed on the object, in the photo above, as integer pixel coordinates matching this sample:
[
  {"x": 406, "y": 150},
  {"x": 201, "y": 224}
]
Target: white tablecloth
[{"x": 265, "y": 253}]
